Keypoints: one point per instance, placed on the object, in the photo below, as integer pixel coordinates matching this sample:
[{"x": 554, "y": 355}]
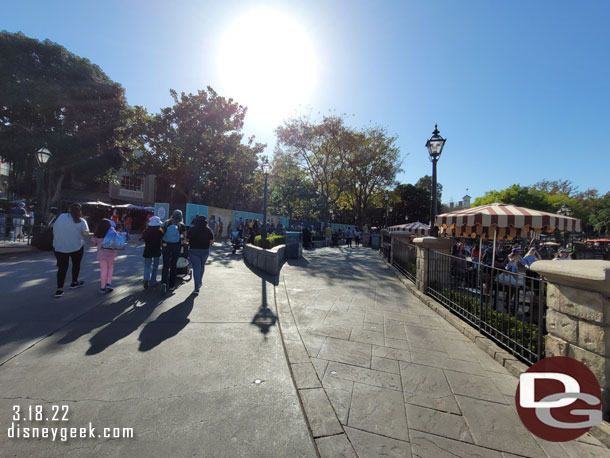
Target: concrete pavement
[
  {"x": 193, "y": 376},
  {"x": 381, "y": 374}
]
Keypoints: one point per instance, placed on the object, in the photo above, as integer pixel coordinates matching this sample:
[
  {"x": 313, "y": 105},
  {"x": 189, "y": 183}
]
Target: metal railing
[
  {"x": 386, "y": 251},
  {"x": 508, "y": 307},
  {"x": 15, "y": 228},
  {"x": 405, "y": 259}
]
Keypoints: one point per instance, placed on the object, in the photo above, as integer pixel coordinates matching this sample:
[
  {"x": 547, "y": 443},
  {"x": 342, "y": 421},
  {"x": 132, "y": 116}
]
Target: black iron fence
[
  {"x": 405, "y": 259},
  {"x": 386, "y": 251},
  {"x": 508, "y": 307}
]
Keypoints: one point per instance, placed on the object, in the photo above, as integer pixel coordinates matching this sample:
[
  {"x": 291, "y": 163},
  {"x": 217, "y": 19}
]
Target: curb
[
  {"x": 325, "y": 429},
  {"x": 601, "y": 432}
]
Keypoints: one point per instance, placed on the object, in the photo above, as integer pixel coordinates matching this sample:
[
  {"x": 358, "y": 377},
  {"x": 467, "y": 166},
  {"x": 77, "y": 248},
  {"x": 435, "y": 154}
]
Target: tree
[
  {"x": 52, "y": 98},
  {"x": 322, "y": 149},
  {"x": 196, "y": 144},
  {"x": 565, "y": 187},
  {"x": 600, "y": 217},
  {"x": 373, "y": 163},
  {"x": 425, "y": 182},
  {"x": 291, "y": 193},
  {"x": 522, "y": 196},
  {"x": 412, "y": 201}
]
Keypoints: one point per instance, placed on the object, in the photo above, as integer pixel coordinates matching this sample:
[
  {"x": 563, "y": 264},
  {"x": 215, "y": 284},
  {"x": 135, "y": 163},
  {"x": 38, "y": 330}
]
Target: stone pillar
[
  {"x": 578, "y": 315},
  {"x": 426, "y": 247}
]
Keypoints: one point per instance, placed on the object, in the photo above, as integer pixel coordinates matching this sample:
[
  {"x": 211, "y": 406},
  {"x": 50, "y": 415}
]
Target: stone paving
[{"x": 381, "y": 374}]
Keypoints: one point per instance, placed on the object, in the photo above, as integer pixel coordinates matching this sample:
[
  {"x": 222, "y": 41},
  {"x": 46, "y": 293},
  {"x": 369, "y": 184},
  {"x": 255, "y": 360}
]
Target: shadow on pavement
[
  {"x": 264, "y": 318},
  {"x": 166, "y": 325}
]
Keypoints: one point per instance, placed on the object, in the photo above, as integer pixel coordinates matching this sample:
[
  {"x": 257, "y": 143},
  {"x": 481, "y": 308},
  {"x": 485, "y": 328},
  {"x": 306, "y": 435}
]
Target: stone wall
[
  {"x": 269, "y": 261},
  {"x": 578, "y": 315}
]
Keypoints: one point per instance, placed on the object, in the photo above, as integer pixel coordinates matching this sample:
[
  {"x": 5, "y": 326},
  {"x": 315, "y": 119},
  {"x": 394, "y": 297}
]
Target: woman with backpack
[
  {"x": 174, "y": 235},
  {"x": 104, "y": 257},
  {"x": 200, "y": 238},
  {"x": 152, "y": 236}
]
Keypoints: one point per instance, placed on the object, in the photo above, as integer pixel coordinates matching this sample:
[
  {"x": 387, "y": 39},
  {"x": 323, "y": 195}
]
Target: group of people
[
  {"x": 166, "y": 240},
  {"x": 18, "y": 221},
  {"x": 250, "y": 228}
]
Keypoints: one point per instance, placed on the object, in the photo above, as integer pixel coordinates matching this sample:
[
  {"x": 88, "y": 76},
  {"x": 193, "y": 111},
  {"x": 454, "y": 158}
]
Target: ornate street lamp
[
  {"x": 565, "y": 210},
  {"x": 435, "y": 148},
  {"x": 171, "y": 199},
  {"x": 42, "y": 156},
  {"x": 266, "y": 168}
]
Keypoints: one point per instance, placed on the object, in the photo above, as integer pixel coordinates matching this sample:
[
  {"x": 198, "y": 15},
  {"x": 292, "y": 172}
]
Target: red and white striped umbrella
[
  {"x": 507, "y": 221},
  {"x": 418, "y": 228}
]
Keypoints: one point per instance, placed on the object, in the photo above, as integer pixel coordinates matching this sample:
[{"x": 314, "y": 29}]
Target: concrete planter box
[{"x": 269, "y": 261}]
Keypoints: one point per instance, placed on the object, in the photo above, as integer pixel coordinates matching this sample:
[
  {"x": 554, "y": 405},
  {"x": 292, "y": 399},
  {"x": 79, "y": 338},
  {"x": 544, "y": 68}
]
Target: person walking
[
  {"x": 201, "y": 238},
  {"x": 20, "y": 214},
  {"x": 69, "y": 231},
  {"x": 105, "y": 257},
  {"x": 349, "y": 234},
  {"x": 174, "y": 235},
  {"x": 328, "y": 233},
  {"x": 152, "y": 236},
  {"x": 357, "y": 236}
]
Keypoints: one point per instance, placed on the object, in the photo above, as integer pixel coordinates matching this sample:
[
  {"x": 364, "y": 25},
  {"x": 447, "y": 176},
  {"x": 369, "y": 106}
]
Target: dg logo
[{"x": 559, "y": 399}]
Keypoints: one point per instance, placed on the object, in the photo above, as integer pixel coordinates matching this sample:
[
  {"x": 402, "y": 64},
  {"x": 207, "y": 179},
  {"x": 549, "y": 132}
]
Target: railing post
[
  {"x": 424, "y": 245},
  {"x": 578, "y": 316}
]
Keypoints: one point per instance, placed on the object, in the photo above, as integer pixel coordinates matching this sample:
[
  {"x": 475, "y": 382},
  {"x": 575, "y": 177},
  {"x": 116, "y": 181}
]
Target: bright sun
[{"x": 267, "y": 63}]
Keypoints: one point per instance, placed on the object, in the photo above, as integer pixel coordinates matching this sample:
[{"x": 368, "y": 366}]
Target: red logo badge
[{"x": 559, "y": 399}]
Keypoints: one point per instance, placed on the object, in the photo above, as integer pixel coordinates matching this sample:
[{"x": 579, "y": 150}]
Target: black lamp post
[
  {"x": 171, "y": 199},
  {"x": 42, "y": 156},
  {"x": 266, "y": 167},
  {"x": 435, "y": 148},
  {"x": 565, "y": 210},
  {"x": 387, "y": 198}
]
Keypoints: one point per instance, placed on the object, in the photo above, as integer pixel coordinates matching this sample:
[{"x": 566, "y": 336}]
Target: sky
[{"x": 520, "y": 89}]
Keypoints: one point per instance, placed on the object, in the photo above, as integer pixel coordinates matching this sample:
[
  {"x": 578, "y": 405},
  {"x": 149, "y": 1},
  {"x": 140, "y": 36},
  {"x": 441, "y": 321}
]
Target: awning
[
  {"x": 507, "y": 221},
  {"x": 418, "y": 228}
]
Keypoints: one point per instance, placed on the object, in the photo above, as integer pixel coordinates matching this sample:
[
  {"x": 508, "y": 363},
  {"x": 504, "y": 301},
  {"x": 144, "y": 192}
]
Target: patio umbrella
[{"x": 502, "y": 221}]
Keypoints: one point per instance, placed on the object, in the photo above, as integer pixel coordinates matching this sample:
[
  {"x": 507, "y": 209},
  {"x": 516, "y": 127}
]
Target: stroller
[
  {"x": 236, "y": 241},
  {"x": 183, "y": 267},
  {"x": 334, "y": 240}
]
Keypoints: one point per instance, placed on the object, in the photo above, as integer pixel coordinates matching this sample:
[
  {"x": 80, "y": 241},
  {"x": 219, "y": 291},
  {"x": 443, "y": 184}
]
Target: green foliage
[
  {"x": 197, "y": 144},
  {"x": 53, "y": 98},
  {"x": 270, "y": 242},
  {"x": 412, "y": 201},
  {"x": 522, "y": 196},
  {"x": 512, "y": 328},
  {"x": 600, "y": 216}
]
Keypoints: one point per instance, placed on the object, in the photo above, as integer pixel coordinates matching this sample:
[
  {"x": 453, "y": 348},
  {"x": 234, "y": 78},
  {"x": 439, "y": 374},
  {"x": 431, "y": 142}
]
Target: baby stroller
[
  {"x": 183, "y": 267},
  {"x": 236, "y": 241},
  {"x": 334, "y": 240}
]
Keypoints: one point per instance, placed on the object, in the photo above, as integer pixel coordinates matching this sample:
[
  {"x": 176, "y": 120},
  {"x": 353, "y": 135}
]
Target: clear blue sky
[{"x": 521, "y": 89}]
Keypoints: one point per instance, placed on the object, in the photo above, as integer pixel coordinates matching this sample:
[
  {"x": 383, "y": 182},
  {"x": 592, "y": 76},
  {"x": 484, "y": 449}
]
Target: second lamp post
[
  {"x": 435, "y": 148},
  {"x": 266, "y": 167}
]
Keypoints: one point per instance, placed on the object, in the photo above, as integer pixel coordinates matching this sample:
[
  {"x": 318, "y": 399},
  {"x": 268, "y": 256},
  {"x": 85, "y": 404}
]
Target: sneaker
[
  {"x": 172, "y": 288},
  {"x": 163, "y": 289},
  {"x": 196, "y": 292},
  {"x": 59, "y": 293},
  {"x": 76, "y": 284},
  {"x": 109, "y": 287},
  {"x": 103, "y": 291},
  {"x": 154, "y": 285},
  {"x": 146, "y": 283}
]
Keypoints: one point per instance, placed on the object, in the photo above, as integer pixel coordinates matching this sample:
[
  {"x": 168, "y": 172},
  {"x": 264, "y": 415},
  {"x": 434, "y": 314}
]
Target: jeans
[
  {"x": 198, "y": 259},
  {"x": 151, "y": 265},
  {"x": 63, "y": 261},
  {"x": 170, "y": 258}
]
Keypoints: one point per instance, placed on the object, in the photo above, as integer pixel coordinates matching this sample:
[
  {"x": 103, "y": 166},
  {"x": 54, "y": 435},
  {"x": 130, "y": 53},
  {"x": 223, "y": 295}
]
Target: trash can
[
  {"x": 294, "y": 245},
  {"x": 375, "y": 241}
]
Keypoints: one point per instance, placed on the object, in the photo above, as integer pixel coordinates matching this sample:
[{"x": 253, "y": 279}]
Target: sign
[
  {"x": 559, "y": 399},
  {"x": 193, "y": 210},
  {"x": 162, "y": 210}
]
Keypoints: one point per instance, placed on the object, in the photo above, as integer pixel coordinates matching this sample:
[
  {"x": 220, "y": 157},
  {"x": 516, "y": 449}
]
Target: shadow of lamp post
[
  {"x": 435, "y": 148},
  {"x": 266, "y": 167}
]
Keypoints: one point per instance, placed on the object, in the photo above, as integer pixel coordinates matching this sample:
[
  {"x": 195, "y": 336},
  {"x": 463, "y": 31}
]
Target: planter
[{"x": 269, "y": 261}]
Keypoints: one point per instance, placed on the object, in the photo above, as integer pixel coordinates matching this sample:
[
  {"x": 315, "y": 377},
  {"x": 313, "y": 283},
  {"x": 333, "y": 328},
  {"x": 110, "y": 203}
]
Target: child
[
  {"x": 105, "y": 257},
  {"x": 152, "y": 237}
]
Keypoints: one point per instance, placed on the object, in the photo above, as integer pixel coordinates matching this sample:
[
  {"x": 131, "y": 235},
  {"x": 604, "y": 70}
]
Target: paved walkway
[
  {"x": 390, "y": 377},
  {"x": 192, "y": 376}
]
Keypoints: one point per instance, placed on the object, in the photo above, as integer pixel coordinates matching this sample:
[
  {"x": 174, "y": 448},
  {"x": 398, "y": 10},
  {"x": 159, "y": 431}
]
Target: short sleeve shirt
[{"x": 67, "y": 235}]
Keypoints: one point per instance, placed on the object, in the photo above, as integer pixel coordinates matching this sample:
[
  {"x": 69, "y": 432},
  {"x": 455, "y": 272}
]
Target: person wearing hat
[
  {"x": 152, "y": 236},
  {"x": 174, "y": 234},
  {"x": 19, "y": 216},
  {"x": 563, "y": 255}
]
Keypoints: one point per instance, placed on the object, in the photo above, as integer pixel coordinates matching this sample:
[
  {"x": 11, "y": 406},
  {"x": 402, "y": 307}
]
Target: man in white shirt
[{"x": 69, "y": 230}]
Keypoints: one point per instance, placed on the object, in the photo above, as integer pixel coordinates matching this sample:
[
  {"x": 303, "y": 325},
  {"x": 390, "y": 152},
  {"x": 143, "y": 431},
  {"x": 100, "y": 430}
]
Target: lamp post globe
[
  {"x": 43, "y": 155},
  {"x": 435, "y": 146}
]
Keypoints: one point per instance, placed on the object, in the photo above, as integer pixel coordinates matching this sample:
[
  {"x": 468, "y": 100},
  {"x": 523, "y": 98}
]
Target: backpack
[{"x": 172, "y": 233}]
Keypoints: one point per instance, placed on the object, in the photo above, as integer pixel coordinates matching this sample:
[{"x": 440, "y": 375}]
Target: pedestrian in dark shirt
[
  {"x": 153, "y": 235},
  {"x": 201, "y": 238}
]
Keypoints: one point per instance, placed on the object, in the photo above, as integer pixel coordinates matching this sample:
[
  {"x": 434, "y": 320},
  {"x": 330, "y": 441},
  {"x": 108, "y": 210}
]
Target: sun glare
[{"x": 267, "y": 63}]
